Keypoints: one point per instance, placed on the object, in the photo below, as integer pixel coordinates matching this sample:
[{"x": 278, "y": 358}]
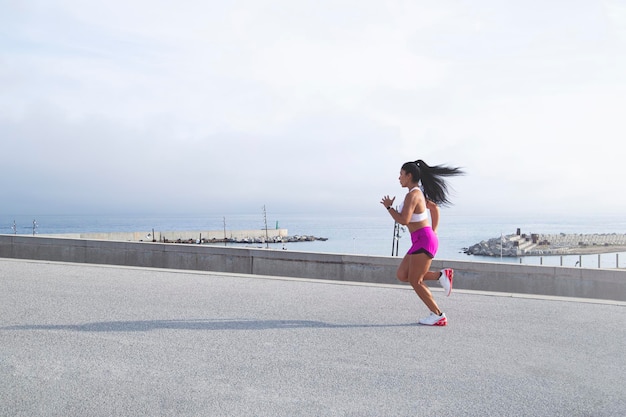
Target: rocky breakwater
[
  {"x": 536, "y": 244},
  {"x": 251, "y": 240},
  {"x": 279, "y": 239}
]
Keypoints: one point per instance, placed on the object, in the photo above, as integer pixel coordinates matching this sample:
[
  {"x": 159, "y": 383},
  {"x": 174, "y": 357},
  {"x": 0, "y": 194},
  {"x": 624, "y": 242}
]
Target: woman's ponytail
[{"x": 432, "y": 179}]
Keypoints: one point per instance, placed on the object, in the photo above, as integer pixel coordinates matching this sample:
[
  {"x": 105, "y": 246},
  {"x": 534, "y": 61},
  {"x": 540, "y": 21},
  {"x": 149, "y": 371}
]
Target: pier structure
[{"x": 187, "y": 236}]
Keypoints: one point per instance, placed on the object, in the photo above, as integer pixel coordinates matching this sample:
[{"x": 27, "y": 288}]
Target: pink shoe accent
[
  {"x": 434, "y": 320},
  {"x": 449, "y": 275},
  {"x": 442, "y": 322}
]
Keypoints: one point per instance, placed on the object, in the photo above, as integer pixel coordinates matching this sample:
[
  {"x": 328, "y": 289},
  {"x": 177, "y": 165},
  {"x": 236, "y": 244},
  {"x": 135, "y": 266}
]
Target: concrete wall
[{"x": 501, "y": 277}]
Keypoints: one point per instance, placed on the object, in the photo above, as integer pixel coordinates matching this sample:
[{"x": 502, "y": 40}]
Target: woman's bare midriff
[{"x": 417, "y": 225}]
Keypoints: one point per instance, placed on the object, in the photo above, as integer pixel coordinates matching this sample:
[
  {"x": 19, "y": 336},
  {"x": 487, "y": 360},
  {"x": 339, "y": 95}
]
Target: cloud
[{"x": 147, "y": 106}]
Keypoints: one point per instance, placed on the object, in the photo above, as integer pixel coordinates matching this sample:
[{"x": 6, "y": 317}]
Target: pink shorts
[{"x": 424, "y": 241}]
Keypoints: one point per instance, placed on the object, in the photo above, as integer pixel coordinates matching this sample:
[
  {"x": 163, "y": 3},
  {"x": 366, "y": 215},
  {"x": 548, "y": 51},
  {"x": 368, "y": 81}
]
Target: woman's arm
[
  {"x": 434, "y": 214},
  {"x": 403, "y": 217}
]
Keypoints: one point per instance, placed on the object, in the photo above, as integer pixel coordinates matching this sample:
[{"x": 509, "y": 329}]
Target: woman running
[{"x": 427, "y": 191}]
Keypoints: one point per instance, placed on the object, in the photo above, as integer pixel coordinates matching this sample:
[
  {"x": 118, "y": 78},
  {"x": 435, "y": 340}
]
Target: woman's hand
[{"x": 387, "y": 201}]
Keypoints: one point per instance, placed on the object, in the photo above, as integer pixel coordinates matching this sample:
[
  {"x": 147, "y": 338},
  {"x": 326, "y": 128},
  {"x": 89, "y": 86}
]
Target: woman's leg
[
  {"x": 431, "y": 276},
  {"x": 414, "y": 269},
  {"x": 422, "y": 240},
  {"x": 403, "y": 271}
]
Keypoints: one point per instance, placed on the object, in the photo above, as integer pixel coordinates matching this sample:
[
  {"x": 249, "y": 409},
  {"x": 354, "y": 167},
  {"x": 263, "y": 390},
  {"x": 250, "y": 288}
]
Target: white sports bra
[{"x": 415, "y": 217}]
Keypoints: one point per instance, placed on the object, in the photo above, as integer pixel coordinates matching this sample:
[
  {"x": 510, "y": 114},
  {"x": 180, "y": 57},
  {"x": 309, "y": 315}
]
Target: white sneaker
[
  {"x": 434, "y": 320},
  {"x": 446, "y": 280}
]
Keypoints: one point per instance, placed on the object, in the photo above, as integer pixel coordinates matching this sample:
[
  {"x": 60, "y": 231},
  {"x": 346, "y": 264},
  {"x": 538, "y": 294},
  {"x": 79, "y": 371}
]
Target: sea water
[{"x": 363, "y": 235}]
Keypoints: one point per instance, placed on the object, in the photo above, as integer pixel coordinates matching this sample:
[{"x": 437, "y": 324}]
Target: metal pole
[
  {"x": 267, "y": 238},
  {"x": 599, "y": 261},
  {"x": 224, "y": 231},
  {"x": 398, "y": 238},
  {"x": 396, "y": 233}
]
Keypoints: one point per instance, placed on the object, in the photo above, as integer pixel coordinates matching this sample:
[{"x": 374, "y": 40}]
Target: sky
[{"x": 204, "y": 106}]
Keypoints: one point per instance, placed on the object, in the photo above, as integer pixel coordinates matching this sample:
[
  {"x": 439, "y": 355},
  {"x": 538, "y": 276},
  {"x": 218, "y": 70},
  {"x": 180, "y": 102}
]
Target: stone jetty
[
  {"x": 251, "y": 240},
  {"x": 254, "y": 236},
  {"x": 536, "y": 244}
]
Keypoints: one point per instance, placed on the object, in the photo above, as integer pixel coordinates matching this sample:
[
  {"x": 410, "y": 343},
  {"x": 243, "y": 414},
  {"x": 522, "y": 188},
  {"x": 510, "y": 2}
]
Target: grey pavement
[{"x": 89, "y": 340}]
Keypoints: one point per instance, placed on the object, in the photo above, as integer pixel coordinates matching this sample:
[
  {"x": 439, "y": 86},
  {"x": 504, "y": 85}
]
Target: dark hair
[{"x": 433, "y": 184}]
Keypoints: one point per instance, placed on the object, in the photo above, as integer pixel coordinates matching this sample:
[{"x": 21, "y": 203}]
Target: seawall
[{"x": 609, "y": 284}]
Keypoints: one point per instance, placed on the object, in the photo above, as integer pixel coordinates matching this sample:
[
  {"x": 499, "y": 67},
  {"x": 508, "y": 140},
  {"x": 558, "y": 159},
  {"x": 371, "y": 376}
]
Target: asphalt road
[{"x": 88, "y": 340}]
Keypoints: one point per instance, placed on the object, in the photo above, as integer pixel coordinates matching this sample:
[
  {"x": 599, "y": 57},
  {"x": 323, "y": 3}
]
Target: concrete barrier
[{"x": 501, "y": 277}]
